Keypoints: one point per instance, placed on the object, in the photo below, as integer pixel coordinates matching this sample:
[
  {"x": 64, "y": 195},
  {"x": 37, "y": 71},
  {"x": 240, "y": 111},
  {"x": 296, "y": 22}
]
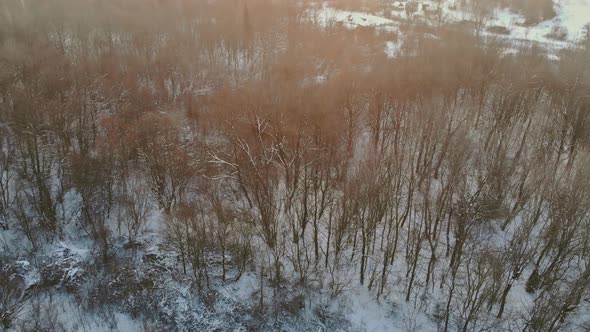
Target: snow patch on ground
[
  {"x": 84, "y": 254},
  {"x": 31, "y": 275},
  {"x": 366, "y": 314},
  {"x": 126, "y": 323},
  {"x": 573, "y": 15},
  {"x": 246, "y": 286},
  {"x": 392, "y": 48},
  {"x": 352, "y": 19}
]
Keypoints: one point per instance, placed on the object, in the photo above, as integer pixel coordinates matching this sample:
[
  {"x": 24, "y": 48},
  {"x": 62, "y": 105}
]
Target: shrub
[
  {"x": 557, "y": 33},
  {"x": 498, "y": 30}
]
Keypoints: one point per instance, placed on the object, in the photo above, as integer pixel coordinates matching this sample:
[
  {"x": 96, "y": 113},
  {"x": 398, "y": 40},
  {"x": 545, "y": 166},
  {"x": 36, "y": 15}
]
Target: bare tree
[
  {"x": 92, "y": 178},
  {"x": 164, "y": 159},
  {"x": 13, "y": 296},
  {"x": 135, "y": 208}
]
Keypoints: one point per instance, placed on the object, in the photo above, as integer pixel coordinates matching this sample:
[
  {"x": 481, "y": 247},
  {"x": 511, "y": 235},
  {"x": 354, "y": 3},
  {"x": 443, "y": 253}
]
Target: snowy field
[{"x": 572, "y": 16}]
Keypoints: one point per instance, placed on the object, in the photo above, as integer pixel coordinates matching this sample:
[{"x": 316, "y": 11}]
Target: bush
[
  {"x": 557, "y": 33},
  {"x": 498, "y": 30},
  {"x": 43, "y": 317},
  {"x": 13, "y": 295}
]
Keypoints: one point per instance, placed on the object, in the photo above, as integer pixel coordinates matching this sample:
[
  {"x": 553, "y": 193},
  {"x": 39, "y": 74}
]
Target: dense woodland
[{"x": 238, "y": 138}]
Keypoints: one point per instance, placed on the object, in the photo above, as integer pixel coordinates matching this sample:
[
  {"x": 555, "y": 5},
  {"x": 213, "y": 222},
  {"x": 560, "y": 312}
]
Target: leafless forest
[{"x": 233, "y": 165}]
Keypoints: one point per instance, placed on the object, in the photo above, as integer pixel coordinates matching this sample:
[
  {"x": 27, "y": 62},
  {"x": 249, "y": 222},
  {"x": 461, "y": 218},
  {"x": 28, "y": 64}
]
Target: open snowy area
[
  {"x": 295, "y": 165},
  {"x": 571, "y": 18}
]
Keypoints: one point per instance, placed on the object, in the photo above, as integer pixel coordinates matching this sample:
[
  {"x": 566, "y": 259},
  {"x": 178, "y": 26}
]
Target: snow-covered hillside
[
  {"x": 573, "y": 15},
  {"x": 568, "y": 26},
  {"x": 256, "y": 165}
]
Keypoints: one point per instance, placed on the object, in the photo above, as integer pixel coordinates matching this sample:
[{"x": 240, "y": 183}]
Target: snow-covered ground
[
  {"x": 70, "y": 260},
  {"x": 572, "y": 16},
  {"x": 354, "y": 19}
]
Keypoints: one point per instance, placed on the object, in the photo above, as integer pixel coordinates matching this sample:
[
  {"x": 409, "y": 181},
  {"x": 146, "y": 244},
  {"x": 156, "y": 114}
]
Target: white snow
[
  {"x": 30, "y": 274},
  {"x": 353, "y": 19},
  {"x": 126, "y": 323},
  {"x": 506, "y": 18},
  {"x": 82, "y": 253},
  {"x": 392, "y": 48},
  {"x": 366, "y": 314},
  {"x": 573, "y": 15},
  {"x": 246, "y": 286}
]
